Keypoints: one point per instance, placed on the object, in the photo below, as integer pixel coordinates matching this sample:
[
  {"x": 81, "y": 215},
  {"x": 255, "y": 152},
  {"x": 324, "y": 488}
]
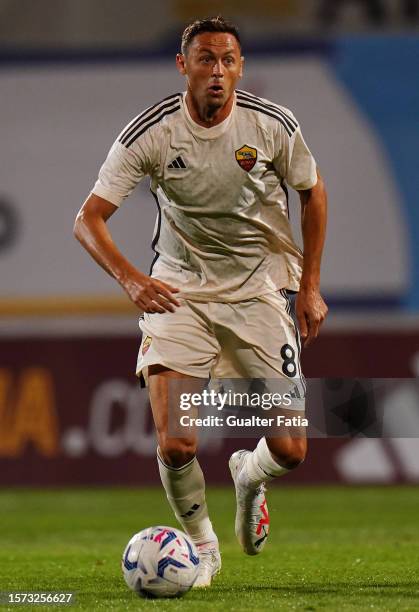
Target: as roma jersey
[{"x": 222, "y": 231}]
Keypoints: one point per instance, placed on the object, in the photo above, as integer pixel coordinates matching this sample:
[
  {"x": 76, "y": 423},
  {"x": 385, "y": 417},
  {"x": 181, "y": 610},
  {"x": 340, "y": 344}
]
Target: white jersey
[{"x": 222, "y": 231}]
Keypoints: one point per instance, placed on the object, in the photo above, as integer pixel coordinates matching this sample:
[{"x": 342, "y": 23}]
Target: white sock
[
  {"x": 260, "y": 465},
  {"x": 185, "y": 490}
]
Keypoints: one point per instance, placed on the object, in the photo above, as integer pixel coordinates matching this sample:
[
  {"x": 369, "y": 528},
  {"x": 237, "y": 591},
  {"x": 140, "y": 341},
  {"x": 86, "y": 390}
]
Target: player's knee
[{"x": 175, "y": 452}]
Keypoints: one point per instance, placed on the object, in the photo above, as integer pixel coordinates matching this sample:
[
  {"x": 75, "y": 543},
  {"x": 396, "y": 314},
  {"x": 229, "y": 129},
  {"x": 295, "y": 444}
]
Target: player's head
[
  {"x": 211, "y": 60},
  {"x": 201, "y": 26}
]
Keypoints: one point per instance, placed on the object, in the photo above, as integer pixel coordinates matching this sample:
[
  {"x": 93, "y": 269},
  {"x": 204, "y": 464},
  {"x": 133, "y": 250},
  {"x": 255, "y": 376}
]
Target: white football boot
[
  {"x": 252, "y": 516},
  {"x": 209, "y": 564}
]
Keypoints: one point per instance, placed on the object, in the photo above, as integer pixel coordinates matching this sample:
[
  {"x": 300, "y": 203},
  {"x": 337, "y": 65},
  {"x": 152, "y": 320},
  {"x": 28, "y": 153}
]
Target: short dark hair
[{"x": 213, "y": 24}]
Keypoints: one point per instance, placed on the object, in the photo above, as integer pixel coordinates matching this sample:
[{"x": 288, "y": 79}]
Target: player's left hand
[{"x": 311, "y": 311}]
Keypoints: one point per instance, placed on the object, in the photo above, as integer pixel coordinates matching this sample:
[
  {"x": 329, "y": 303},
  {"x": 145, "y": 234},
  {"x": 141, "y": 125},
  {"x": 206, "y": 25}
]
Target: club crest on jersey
[
  {"x": 246, "y": 157},
  {"x": 146, "y": 344}
]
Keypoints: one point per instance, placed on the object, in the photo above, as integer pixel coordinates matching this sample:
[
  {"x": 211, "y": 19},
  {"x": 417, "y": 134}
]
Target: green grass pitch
[{"x": 329, "y": 549}]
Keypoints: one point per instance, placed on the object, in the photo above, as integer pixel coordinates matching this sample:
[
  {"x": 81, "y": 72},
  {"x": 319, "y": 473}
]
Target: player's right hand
[
  {"x": 150, "y": 294},
  {"x": 311, "y": 311}
]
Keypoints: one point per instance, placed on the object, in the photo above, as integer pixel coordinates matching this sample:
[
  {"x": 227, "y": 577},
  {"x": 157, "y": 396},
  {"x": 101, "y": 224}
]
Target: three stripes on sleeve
[{"x": 154, "y": 114}]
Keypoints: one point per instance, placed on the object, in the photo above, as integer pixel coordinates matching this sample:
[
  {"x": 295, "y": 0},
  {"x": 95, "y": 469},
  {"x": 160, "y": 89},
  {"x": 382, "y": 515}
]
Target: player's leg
[
  {"x": 181, "y": 474},
  {"x": 264, "y": 346},
  {"x": 277, "y": 455},
  {"x": 171, "y": 341}
]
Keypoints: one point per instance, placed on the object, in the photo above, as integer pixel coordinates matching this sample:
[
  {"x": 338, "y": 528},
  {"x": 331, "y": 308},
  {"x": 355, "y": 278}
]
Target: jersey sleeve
[
  {"x": 123, "y": 169},
  {"x": 293, "y": 160}
]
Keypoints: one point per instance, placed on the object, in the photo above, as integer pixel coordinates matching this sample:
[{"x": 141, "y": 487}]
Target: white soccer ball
[{"x": 160, "y": 562}]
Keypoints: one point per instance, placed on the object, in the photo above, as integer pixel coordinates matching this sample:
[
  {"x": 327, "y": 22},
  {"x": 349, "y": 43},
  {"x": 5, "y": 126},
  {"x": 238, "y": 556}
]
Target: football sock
[
  {"x": 260, "y": 465},
  {"x": 185, "y": 490}
]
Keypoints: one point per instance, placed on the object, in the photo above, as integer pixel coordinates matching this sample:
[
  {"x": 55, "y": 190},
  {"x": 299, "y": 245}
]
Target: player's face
[{"x": 212, "y": 66}]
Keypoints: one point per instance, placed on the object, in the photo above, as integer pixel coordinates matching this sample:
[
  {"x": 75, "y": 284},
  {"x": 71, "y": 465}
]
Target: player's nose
[{"x": 218, "y": 69}]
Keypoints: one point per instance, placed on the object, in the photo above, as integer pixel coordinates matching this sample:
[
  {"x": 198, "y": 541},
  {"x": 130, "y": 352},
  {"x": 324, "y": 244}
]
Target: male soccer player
[{"x": 215, "y": 303}]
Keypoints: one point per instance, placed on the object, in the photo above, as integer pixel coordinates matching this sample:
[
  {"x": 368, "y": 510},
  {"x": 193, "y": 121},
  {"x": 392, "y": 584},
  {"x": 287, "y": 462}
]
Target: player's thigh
[
  {"x": 182, "y": 341},
  {"x": 259, "y": 340},
  {"x": 175, "y": 358}
]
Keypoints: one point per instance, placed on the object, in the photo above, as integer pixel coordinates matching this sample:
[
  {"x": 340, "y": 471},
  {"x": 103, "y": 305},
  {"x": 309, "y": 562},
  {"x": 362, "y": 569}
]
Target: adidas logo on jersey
[{"x": 177, "y": 164}]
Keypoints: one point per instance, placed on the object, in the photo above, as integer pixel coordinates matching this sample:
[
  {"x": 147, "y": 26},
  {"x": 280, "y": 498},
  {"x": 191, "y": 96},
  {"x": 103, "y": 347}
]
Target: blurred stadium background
[{"x": 72, "y": 73}]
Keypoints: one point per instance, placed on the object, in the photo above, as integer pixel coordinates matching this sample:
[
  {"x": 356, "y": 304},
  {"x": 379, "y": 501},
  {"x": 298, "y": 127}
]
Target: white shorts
[{"x": 254, "y": 339}]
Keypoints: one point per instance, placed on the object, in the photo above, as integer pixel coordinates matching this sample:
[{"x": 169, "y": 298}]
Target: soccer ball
[{"x": 160, "y": 562}]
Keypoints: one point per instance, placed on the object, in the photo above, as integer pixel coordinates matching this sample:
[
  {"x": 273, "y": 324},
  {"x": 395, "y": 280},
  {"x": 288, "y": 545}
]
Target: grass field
[{"x": 329, "y": 549}]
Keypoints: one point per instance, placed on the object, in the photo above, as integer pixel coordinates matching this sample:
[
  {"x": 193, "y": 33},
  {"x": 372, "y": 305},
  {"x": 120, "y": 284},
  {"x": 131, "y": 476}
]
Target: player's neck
[{"x": 208, "y": 116}]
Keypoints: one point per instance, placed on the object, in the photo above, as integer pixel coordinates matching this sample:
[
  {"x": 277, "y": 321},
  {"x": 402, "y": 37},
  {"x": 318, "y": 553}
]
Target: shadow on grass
[
  {"x": 398, "y": 589},
  {"x": 344, "y": 590}
]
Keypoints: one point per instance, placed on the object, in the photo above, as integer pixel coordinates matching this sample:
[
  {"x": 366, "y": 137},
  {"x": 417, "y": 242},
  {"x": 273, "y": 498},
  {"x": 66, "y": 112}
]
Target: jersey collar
[{"x": 203, "y": 132}]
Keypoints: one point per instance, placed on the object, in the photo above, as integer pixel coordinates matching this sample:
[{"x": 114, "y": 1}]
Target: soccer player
[{"x": 215, "y": 303}]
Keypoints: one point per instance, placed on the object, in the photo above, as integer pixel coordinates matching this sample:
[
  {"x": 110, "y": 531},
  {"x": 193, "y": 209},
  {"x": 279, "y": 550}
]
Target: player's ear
[
  {"x": 180, "y": 63},
  {"x": 241, "y": 66}
]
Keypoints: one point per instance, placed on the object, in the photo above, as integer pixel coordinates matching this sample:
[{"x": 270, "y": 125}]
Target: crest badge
[
  {"x": 146, "y": 344},
  {"x": 246, "y": 157}
]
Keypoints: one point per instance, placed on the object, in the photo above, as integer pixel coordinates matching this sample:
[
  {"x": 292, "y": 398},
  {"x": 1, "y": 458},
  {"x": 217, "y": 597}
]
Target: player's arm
[
  {"x": 310, "y": 306},
  {"x": 149, "y": 294}
]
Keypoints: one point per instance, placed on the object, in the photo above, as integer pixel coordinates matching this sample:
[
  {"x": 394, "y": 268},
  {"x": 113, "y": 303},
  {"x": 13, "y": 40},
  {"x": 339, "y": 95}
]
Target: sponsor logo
[
  {"x": 177, "y": 164},
  {"x": 246, "y": 157},
  {"x": 191, "y": 511}
]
